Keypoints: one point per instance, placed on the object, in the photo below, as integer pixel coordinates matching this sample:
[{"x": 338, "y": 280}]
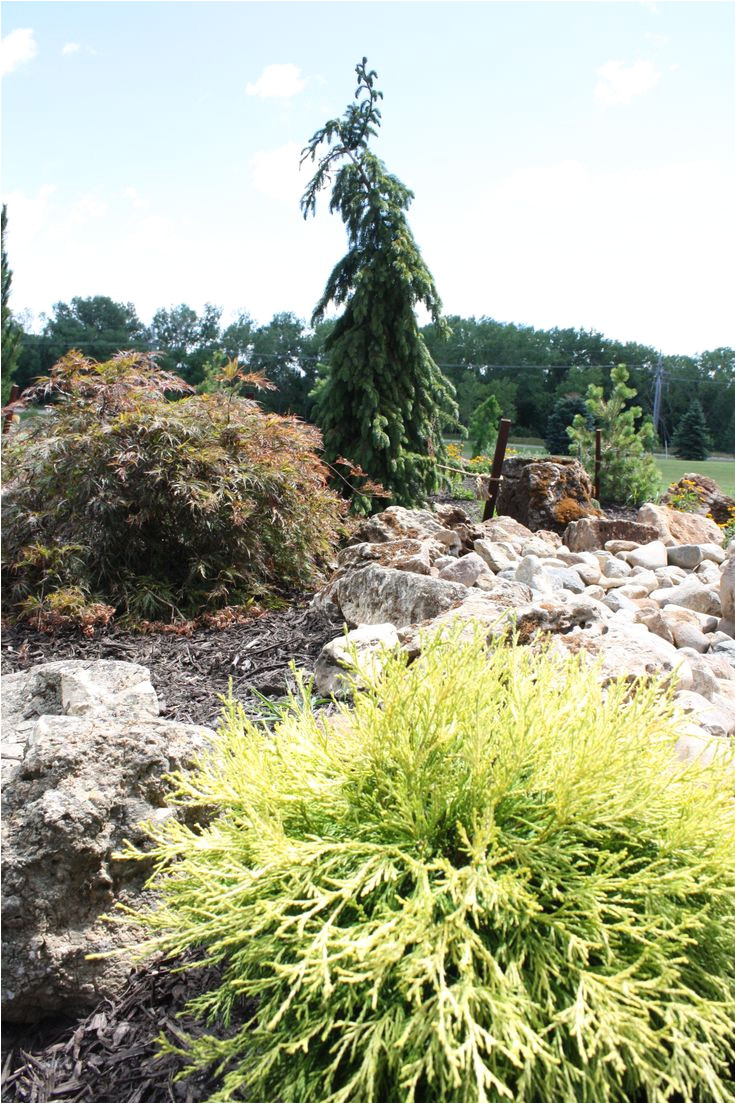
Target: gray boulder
[
  {"x": 375, "y": 595},
  {"x": 80, "y": 787}
]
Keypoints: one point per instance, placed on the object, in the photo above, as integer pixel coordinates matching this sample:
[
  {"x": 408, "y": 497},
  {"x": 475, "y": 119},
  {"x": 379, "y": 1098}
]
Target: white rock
[
  {"x": 465, "y": 570},
  {"x": 496, "y": 554},
  {"x": 375, "y": 595},
  {"x": 529, "y": 571},
  {"x": 726, "y": 592},
  {"x": 704, "y": 679},
  {"x": 611, "y": 567},
  {"x": 709, "y": 573},
  {"x": 361, "y": 651},
  {"x": 696, "y": 745},
  {"x": 645, "y": 578},
  {"x": 630, "y": 651},
  {"x": 685, "y": 556},
  {"x": 655, "y": 622},
  {"x": 688, "y": 636},
  {"x": 670, "y": 576},
  {"x": 568, "y": 578},
  {"x": 617, "y": 601},
  {"x": 715, "y": 717},
  {"x": 714, "y": 552},
  {"x": 650, "y": 555},
  {"x": 691, "y": 594},
  {"x": 615, "y": 546},
  {"x": 634, "y": 591}
]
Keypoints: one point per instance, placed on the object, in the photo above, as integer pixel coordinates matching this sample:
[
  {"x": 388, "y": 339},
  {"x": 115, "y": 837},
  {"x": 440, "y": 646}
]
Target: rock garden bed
[{"x": 598, "y": 592}]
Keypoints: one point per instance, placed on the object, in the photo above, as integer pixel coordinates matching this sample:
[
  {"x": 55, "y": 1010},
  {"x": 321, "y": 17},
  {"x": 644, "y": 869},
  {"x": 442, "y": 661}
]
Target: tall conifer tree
[
  {"x": 692, "y": 440},
  {"x": 383, "y": 402},
  {"x": 11, "y": 331}
]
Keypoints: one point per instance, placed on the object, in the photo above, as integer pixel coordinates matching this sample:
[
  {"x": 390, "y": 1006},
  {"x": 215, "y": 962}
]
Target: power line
[{"x": 472, "y": 366}]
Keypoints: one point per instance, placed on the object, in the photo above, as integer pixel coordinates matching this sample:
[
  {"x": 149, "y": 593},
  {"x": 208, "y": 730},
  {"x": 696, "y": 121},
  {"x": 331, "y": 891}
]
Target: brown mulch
[
  {"x": 191, "y": 673},
  {"x": 110, "y": 1057}
]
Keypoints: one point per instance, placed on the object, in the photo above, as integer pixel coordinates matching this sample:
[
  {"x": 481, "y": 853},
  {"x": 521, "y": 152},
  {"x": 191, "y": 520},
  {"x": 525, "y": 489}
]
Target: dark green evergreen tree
[
  {"x": 561, "y": 416},
  {"x": 691, "y": 440},
  {"x": 383, "y": 403},
  {"x": 11, "y": 331}
]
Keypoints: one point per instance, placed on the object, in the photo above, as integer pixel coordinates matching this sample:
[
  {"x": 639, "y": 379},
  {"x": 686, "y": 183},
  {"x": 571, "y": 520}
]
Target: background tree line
[{"x": 529, "y": 371}]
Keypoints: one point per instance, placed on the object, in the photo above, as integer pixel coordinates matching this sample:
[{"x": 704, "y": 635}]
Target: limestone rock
[
  {"x": 405, "y": 554},
  {"x": 82, "y": 788},
  {"x": 629, "y": 651},
  {"x": 397, "y": 523},
  {"x": 465, "y": 570},
  {"x": 716, "y": 717},
  {"x": 358, "y": 651},
  {"x": 375, "y": 595},
  {"x": 491, "y": 609},
  {"x": 686, "y": 556},
  {"x": 676, "y": 527},
  {"x": 505, "y": 529},
  {"x": 496, "y": 554},
  {"x": 545, "y": 494},
  {"x": 554, "y": 615},
  {"x": 650, "y": 555},
  {"x": 101, "y": 687},
  {"x": 726, "y": 591},
  {"x": 593, "y": 533},
  {"x": 692, "y": 595}
]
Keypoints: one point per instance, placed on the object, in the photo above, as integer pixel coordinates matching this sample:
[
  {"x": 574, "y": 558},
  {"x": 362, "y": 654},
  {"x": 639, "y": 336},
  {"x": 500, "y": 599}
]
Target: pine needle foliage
[
  {"x": 628, "y": 471},
  {"x": 11, "y": 331},
  {"x": 488, "y": 880},
  {"x": 161, "y": 508},
  {"x": 692, "y": 440},
  {"x": 384, "y": 403}
]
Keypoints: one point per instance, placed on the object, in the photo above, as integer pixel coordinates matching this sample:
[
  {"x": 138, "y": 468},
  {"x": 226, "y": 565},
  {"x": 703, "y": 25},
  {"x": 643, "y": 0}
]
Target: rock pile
[
  {"x": 84, "y": 752},
  {"x": 629, "y": 595}
]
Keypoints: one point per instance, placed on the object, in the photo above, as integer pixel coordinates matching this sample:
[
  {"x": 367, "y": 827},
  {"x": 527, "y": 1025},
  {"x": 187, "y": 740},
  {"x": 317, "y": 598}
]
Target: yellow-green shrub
[{"x": 489, "y": 880}]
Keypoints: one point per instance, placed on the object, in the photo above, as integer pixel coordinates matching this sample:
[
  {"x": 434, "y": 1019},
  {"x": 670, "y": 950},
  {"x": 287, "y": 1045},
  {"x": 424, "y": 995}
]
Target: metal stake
[
  {"x": 597, "y": 471},
  {"x": 494, "y": 480}
]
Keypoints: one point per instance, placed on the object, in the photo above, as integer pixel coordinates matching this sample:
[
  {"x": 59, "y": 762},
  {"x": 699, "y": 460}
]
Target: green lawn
[{"x": 721, "y": 471}]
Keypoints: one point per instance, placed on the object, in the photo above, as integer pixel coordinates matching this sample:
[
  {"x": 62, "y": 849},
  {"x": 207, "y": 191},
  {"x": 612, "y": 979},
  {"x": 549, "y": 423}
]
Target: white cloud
[
  {"x": 640, "y": 254},
  {"x": 277, "y": 81},
  {"x": 16, "y": 48},
  {"x": 27, "y": 216},
  {"x": 619, "y": 84},
  {"x": 71, "y": 48},
  {"x": 276, "y": 173},
  {"x": 138, "y": 201}
]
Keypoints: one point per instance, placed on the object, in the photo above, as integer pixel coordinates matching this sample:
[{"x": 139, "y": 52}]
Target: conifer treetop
[{"x": 370, "y": 200}]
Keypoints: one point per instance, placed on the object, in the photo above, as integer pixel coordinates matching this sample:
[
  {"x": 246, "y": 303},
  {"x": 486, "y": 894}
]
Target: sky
[{"x": 572, "y": 162}]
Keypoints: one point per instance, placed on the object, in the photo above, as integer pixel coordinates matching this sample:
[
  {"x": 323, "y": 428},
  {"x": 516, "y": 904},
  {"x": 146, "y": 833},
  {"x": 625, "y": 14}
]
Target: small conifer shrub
[
  {"x": 628, "y": 473},
  {"x": 161, "y": 509},
  {"x": 489, "y": 880}
]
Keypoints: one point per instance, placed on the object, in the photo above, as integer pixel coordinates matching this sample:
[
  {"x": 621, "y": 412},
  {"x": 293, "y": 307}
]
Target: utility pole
[{"x": 657, "y": 411}]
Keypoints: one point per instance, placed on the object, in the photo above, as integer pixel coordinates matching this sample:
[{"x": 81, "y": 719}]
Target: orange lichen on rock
[{"x": 568, "y": 509}]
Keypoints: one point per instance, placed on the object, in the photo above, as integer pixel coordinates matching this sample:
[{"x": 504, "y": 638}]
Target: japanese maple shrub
[
  {"x": 158, "y": 506},
  {"x": 489, "y": 880}
]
